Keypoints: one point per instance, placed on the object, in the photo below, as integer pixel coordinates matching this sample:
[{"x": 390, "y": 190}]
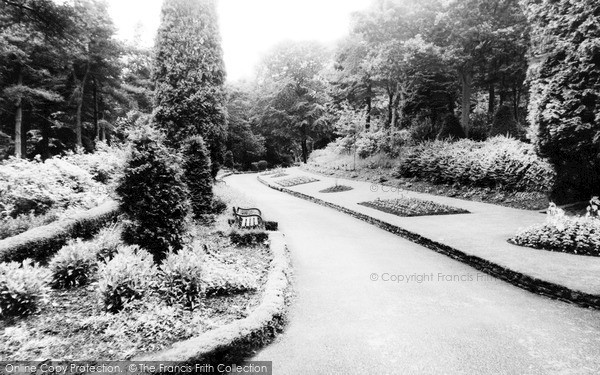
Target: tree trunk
[
  {"x": 95, "y": 93},
  {"x": 304, "y": 145},
  {"x": 466, "y": 79},
  {"x": 396, "y": 104},
  {"x": 390, "y": 106},
  {"x": 516, "y": 99},
  {"x": 81, "y": 88},
  {"x": 46, "y": 140},
  {"x": 492, "y": 100},
  {"x": 19, "y": 116},
  {"x": 369, "y": 103}
]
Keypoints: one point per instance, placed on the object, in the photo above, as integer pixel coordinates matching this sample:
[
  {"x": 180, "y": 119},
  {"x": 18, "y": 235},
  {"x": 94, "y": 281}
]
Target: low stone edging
[
  {"x": 529, "y": 283},
  {"x": 40, "y": 242},
  {"x": 236, "y": 340}
]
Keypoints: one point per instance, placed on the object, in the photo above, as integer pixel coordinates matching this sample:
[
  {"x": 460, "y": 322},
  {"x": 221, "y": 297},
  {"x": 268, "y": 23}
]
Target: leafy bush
[
  {"x": 368, "y": 143},
  {"x": 228, "y": 159},
  {"x": 421, "y": 129},
  {"x": 218, "y": 206},
  {"x": 271, "y": 225},
  {"x": 73, "y": 265},
  {"x": 480, "y": 129},
  {"x": 197, "y": 172},
  {"x": 107, "y": 242},
  {"x": 104, "y": 164},
  {"x": 153, "y": 196},
  {"x": 222, "y": 280},
  {"x": 180, "y": 279},
  {"x": 451, "y": 128},
  {"x": 564, "y": 110},
  {"x": 22, "y": 287},
  {"x": 504, "y": 123},
  {"x": 248, "y": 237},
  {"x": 37, "y": 186},
  {"x": 254, "y": 166},
  {"x": 262, "y": 165},
  {"x": 126, "y": 277},
  {"x": 576, "y": 235},
  {"x": 498, "y": 162}
]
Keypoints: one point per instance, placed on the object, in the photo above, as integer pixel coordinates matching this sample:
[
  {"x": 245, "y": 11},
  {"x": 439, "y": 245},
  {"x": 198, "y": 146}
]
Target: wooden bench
[{"x": 247, "y": 217}]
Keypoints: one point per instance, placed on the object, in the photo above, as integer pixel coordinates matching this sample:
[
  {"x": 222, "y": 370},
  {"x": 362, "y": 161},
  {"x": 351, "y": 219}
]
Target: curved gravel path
[{"x": 425, "y": 313}]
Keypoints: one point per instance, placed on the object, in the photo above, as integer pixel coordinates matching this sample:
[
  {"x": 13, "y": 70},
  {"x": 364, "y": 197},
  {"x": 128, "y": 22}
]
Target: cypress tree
[
  {"x": 196, "y": 169},
  {"x": 189, "y": 75},
  {"x": 564, "y": 109}
]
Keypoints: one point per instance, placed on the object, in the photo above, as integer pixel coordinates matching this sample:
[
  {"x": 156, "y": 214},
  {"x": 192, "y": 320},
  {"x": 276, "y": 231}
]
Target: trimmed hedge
[
  {"x": 42, "y": 242},
  {"x": 498, "y": 162}
]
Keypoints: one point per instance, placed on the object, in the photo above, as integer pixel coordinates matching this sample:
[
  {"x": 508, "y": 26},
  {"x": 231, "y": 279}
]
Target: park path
[{"x": 455, "y": 321}]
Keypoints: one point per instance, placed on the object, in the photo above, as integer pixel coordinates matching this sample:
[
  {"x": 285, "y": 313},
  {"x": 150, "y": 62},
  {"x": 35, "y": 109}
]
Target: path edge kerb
[
  {"x": 236, "y": 340},
  {"x": 521, "y": 280}
]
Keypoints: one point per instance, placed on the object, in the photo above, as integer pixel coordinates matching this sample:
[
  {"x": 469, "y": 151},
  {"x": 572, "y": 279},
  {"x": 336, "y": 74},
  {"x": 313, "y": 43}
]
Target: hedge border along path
[
  {"x": 518, "y": 279},
  {"x": 233, "y": 342},
  {"x": 41, "y": 242}
]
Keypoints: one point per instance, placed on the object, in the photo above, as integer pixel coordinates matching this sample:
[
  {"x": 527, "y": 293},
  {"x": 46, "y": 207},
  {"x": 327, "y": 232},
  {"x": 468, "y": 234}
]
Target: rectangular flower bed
[
  {"x": 412, "y": 207},
  {"x": 293, "y": 181}
]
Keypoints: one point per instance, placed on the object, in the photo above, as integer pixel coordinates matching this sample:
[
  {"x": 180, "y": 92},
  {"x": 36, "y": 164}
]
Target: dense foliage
[
  {"x": 73, "y": 265},
  {"x": 197, "y": 174},
  {"x": 22, "y": 288},
  {"x": 63, "y": 81},
  {"x": 497, "y": 163},
  {"x": 181, "y": 279},
  {"x": 153, "y": 196},
  {"x": 125, "y": 278},
  {"x": 564, "y": 110},
  {"x": 189, "y": 75}
]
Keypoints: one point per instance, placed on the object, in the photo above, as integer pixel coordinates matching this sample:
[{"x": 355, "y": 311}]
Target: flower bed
[
  {"x": 101, "y": 299},
  {"x": 293, "y": 181},
  {"x": 562, "y": 233},
  {"x": 336, "y": 189},
  {"x": 279, "y": 174},
  {"x": 412, "y": 207}
]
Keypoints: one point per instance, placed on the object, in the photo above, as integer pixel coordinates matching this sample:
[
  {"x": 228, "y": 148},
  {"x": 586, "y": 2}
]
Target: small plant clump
[
  {"x": 23, "y": 287},
  {"x": 412, "y": 207},
  {"x": 73, "y": 265},
  {"x": 125, "y": 278},
  {"x": 336, "y": 189},
  {"x": 248, "y": 237},
  {"x": 181, "y": 279}
]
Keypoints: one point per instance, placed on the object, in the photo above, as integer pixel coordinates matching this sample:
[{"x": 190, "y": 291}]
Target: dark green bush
[
  {"x": 480, "y": 129},
  {"x": 180, "y": 279},
  {"x": 254, "y": 166},
  {"x": 504, "y": 123},
  {"x": 248, "y": 237},
  {"x": 73, "y": 265},
  {"x": 564, "y": 110},
  {"x": 153, "y": 196},
  {"x": 262, "y": 165},
  {"x": 218, "y": 206},
  {"x": 126, "y": 277},
  {"x": 229, "y": 163},
  {"x": 451, "y": 128},
  {"x": 197, "y": 172},
  {"x": 22, "y": 288},
  {"x": 499, "y": 162},
  {"x": 271, "y": 225}
]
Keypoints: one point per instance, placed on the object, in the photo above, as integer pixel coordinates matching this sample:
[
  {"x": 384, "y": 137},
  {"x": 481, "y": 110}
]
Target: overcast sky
[{"x": 249, "y": 27}]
